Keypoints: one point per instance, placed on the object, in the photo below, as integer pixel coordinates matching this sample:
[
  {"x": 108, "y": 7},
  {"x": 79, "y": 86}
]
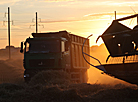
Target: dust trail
[
  {"x": 95, "y": 76},
  {"x": 11, "y": 70}
]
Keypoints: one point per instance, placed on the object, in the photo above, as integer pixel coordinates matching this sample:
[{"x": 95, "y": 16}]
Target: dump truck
[
  {"x": 55, "y": 51},
  {"x": 122, "y": 44}
]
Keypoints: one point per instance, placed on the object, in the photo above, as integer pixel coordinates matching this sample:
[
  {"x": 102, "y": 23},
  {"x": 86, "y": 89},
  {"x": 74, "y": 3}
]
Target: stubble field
[{"x": 53, "y": 86}]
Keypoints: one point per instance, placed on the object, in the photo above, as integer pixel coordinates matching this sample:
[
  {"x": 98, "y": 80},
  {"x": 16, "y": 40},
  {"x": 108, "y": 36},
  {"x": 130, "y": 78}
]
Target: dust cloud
[
  {"x": 95, "y": 76},
  {"x": 11, "y": 70}
]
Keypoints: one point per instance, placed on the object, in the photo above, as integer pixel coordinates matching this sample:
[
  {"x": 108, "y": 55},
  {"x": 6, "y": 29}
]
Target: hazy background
[{"x": 81, "y": 17}]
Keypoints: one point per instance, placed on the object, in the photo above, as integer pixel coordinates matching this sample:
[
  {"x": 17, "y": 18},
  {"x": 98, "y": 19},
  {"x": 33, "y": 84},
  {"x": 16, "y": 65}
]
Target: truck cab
[{"x": 44, "y": 53}]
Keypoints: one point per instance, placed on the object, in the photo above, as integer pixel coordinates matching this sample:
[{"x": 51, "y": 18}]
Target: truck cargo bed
[{"x": 76, "y": 52}]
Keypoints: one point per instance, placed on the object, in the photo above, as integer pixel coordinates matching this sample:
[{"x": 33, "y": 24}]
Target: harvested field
[
  {"x": 53, "y": 86},
  {"x": 71, "y": 93}
]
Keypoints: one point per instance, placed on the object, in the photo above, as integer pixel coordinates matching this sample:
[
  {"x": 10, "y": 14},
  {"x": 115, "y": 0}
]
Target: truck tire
[
  {"x": 85, "y": 76},
  {"x": 28, "y": 74},
  {"x": 79, "y": 76}
]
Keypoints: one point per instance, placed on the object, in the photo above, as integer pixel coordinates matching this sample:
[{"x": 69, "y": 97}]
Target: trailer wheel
[{"x": 85, "y": 76}]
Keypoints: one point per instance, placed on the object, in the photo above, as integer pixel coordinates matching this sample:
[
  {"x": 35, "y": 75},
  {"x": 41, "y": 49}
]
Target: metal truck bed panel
[
  {"x": 127, "y": 71},
  {"x": 76, "y": 51}
]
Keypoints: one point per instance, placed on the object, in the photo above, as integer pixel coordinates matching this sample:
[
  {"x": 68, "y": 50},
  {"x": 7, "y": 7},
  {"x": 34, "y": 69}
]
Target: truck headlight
[{"x": 26, "y": 75}]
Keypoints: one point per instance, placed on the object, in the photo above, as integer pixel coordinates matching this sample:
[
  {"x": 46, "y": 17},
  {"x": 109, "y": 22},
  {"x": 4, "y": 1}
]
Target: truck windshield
[{"x": 44, "y": 46}]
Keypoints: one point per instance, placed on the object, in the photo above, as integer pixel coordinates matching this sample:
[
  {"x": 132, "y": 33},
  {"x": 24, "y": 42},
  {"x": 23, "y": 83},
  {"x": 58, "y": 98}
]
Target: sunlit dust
[{"x": 96, "y": 76}]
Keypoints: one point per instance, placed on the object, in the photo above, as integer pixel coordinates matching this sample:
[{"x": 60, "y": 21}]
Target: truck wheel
[
  {"x": 28, "y": 74},
  {"x": 84, "y": 76}
]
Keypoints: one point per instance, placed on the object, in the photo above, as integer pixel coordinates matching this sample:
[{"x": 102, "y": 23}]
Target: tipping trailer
[
  {"x": 55, "y": 51},
  {"x": 122, "y": 45}
]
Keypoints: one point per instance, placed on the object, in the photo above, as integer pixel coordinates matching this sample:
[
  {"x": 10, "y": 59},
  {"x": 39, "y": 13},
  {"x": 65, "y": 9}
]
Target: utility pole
[
  {"x": 137, "y": 19},
  {"x": 9, "y": 32},
  {"x": 36, "y": 23},
  {"x": 115, "y": 15}
]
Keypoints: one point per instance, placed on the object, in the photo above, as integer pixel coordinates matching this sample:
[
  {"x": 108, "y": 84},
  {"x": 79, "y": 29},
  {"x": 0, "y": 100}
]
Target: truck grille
[{"x": 42, "y": 62}]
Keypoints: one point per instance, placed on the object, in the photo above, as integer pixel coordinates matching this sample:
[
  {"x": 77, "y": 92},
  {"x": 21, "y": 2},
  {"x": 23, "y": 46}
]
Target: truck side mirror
[{"x": 21, "y": 47}]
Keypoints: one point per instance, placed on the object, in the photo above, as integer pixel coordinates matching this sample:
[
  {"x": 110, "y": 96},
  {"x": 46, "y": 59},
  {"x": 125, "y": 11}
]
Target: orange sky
[{"x": 80, "y": 17}]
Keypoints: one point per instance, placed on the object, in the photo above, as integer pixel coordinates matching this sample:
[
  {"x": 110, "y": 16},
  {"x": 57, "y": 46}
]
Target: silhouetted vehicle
[
  {"x": 55, "y": 51},
  {"x": 122, "y": 44}
]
